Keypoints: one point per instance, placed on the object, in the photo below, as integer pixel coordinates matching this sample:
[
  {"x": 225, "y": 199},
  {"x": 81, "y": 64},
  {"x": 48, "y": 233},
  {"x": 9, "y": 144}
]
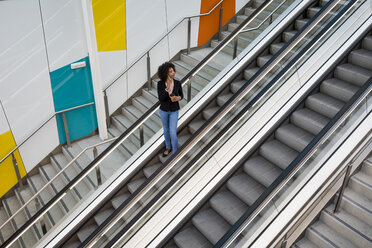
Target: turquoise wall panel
[{"x": 71, "y": 88}]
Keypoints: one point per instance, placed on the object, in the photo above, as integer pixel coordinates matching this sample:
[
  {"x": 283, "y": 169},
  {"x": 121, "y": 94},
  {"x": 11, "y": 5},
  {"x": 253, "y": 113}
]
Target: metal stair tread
[
  {"x": 326, "y": 234},
  {"x": 367, "y": 42},
  {"x": 193, "y": 61},
  {"x": 362, "y": 182},
  {"x": 304, "y": 243},
  {"x": 245, "y": 187},
  {"x": 309, "y": 120},
  {"x": 262, "y": 170},
  {"x": 7, "y": 230},
  {"x": 352, "y": 74},
  {"x": 11, "y": 205},
  {"x": 103, "y": 215},
  {"x": 75, "y": 149},
  {"x": 338, "y": 89},
  {"x": 324, "y": 104},
  {"x": 134, "y": 185},
  {"x": 195, "y": 125},
  {"x": 228, "y": 206},
  {"x": 45, "y": 196},
  {"x": 350, "y": 222},
  {"x": 150, "y": 95},
  {"x": 278, "y": 153},
  {"x": 49, "y": 172},
  {"x": 293, "y": 136},
  {"x": 219, "y": 62},
  {"x": 188, "y": 68},
  {"x": 149, "y": 170},
  {"x": 84, "y": 233},
  {"x": 125, "y": 122},
  {"x": 191, "y": 238},
  {"x": 361, "y": 57},
  {"x": 118, "y": 200},
  {"x": 361, "y": 204},
  {"x": 211, "y": 225},
  {"x": 129, "y": 146},
  {"x": 144, "y": 101}
]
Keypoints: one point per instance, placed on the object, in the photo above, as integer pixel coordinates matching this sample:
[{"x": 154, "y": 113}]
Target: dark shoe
[{"x": 167, "y": 152}]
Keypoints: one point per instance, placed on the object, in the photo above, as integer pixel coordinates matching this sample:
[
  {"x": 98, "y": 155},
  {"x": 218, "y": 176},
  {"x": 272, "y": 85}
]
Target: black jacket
[{"x": 165, "y": 102}]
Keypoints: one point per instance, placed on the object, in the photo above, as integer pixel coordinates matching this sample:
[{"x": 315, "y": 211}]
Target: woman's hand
[{"x": 175, "y": 98}]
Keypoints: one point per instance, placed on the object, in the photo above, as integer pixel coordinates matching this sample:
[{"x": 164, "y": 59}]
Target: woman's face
[{"x": 171, "y": 73}]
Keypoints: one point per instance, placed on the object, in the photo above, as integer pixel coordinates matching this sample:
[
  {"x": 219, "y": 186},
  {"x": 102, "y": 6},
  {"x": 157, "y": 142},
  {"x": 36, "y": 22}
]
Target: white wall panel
[
  {"x": 240, "y": 4},
  {"x": 24, "y": 76},
  {"x": 178, "y": 9},
  {"x": 64, "y": 32},
  {"x": 4, "y": 127},
  {"x": 178, "y": 37},
  {"x": 146, "y": 24},
  {"x": 39, "y": 145},
  {"x": 159, "y": 55},
  {"x": 117, "y": 94},
  {"x": 111, "y": 65},
  {"x": 137, "y": 76}
]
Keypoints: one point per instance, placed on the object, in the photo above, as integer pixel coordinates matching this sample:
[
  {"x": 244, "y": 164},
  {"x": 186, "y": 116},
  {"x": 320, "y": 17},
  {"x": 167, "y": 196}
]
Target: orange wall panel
[{"x": 208, "y": 25}]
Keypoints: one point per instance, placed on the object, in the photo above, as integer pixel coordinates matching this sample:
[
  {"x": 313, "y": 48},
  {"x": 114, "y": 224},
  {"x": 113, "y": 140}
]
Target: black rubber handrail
[
  {"x": 135, "y": 125},
  {"x": 170, "y": 184}
]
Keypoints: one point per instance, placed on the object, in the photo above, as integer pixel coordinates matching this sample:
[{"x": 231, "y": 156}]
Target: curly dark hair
[{"x": 164, "y": 69}]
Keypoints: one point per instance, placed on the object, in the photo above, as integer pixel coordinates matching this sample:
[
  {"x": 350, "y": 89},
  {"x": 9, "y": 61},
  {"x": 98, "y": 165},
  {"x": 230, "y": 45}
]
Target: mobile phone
[{"x": 171, "y": 94}]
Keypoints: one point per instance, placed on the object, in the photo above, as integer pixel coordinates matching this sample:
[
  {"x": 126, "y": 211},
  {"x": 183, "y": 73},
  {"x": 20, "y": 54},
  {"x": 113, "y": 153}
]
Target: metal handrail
[
  {"x": 165, "y": 35},
  {"x": 58, "y": 112},
  {"x": 140, "y": 121},
  {"x": 55, "y": 177},
  {"x": 185, "y": 148}
]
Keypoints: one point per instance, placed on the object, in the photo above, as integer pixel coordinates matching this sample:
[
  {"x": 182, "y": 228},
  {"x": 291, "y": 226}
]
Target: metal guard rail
[
  {"x": 175, "y": 157},
  {"x": 301, "y": 158},
  {"x": 129, "y": 131}
]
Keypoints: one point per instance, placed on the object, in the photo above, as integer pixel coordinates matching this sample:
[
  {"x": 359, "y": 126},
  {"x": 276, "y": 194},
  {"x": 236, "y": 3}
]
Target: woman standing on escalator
[{"x": 169, "y": 93}]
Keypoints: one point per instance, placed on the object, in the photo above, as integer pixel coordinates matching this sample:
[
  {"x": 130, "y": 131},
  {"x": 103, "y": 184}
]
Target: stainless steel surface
[
  {"x": 16, "y": 169},
  {"x": 65, "y": 127}
]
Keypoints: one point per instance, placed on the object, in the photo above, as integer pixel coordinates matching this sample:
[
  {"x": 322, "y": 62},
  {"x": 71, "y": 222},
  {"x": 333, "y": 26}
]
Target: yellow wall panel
[
  {"x": 110, "y": 24},
  {"x": 8, "y": 177}
]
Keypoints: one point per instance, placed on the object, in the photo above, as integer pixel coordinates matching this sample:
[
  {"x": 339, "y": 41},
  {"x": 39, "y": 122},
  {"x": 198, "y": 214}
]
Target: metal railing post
[
  {"x": 98, "y": 170},
  {"x": 235, "y": 47},
  {"x": 188, "y": 35},
  {"x": 108, "y": 122},
  {"x": 42, "y": 221},
  {"x": 66, "y": 129},
  {"x": 148, "y": 71},
  {"x": 220, "y": 23},
  {"x": 189, "y": 90},
  {"x": 17, "y": 171},
  {"x": 142, "y": 137},
  {"x": 344, "y": 184}
]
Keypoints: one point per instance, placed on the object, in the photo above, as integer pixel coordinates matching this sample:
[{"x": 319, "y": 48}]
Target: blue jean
[{"x": 169, "y": 121}]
